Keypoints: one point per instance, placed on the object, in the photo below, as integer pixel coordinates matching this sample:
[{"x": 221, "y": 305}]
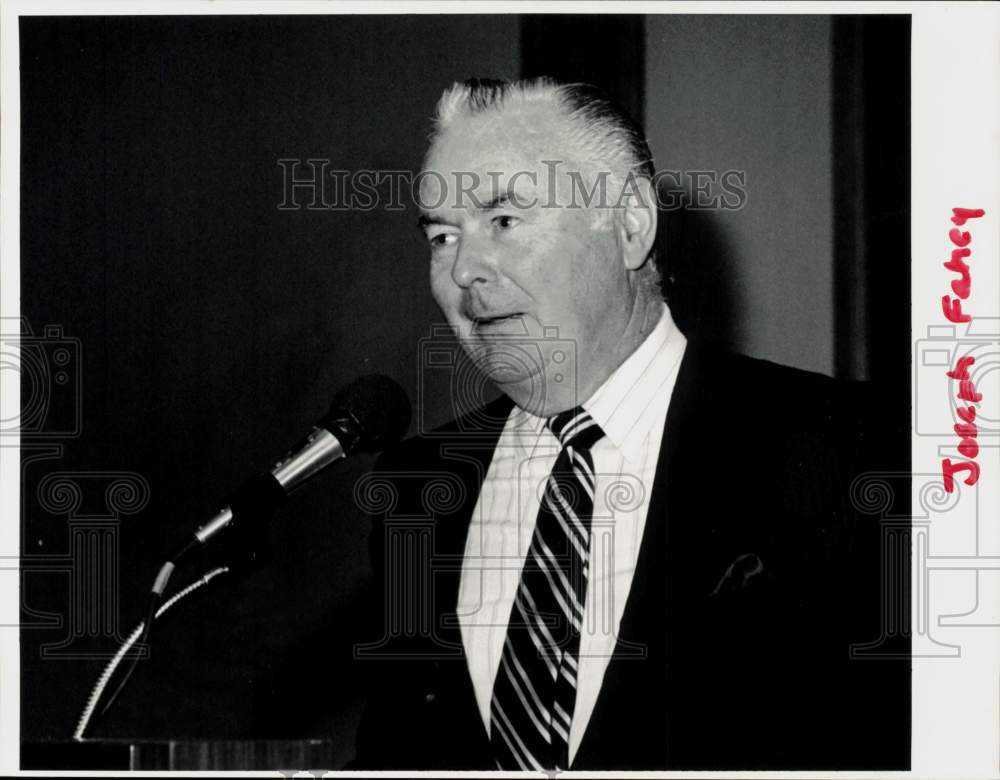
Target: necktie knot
[{"x": 575, "y": 428}]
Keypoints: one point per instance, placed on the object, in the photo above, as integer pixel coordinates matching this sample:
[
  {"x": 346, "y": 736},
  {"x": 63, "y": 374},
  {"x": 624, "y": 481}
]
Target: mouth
[{"x": 487, "y": 323}]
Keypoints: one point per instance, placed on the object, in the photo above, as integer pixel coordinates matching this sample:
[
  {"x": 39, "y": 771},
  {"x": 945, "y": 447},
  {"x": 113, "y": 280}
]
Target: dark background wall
[
  {"x": 213, "y": 327},
  {"x": 752, "y": 94}
]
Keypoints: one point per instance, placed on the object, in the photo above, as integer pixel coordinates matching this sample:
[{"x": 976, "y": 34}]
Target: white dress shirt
[{"x": 631, "y": 407}]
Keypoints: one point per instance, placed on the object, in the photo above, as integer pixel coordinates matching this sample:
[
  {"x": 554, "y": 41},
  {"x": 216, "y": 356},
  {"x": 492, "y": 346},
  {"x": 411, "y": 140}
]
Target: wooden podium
[{"x": 180, "y": 754}]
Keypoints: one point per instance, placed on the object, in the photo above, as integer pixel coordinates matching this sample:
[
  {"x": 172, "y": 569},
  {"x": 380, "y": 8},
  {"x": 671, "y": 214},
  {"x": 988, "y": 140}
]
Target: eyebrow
[
  {"x": 501, "y": 199},
  {"x": 497, "y": 201},
  {"x": 425, "y": 220}
]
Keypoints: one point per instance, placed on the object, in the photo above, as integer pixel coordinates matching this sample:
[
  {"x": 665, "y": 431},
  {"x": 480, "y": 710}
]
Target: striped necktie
[{"x": 535, "y": 689}]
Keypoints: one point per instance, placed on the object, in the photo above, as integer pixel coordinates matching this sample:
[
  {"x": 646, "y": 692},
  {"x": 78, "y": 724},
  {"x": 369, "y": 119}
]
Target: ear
[{"x": 637, "y": 223}]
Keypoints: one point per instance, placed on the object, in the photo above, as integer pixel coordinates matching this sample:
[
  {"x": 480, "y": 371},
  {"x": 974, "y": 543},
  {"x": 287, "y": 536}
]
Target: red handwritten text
[{"x": 961, "y": 287}]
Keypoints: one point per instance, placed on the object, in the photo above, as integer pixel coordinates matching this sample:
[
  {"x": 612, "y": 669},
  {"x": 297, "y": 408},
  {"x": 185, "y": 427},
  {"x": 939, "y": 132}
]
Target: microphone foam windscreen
[{"x": 380, "y": 408}]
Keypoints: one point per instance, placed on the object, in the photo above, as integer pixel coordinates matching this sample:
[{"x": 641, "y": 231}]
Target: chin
[
  {"x": 528, "y": 393},
  {"x": 505, "y": 365},
  {"x": 515, "y": 368},
  {"x": 538, "y": 393}
]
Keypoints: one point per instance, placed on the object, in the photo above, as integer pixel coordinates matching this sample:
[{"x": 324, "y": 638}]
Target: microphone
[{"x": 368, "y": 415}]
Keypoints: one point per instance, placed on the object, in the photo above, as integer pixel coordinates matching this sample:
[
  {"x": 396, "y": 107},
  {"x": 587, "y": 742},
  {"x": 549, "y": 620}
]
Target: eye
[
  {"x": 505, "y": 221},
  {"x": 441, "y": 239}
]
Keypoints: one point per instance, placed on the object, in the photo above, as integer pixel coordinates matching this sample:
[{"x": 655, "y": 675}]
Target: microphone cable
[
  {"x": 367, "y": 415},
  {"x": 141, "y": 629},
  {"x": 144, "y": 629}
]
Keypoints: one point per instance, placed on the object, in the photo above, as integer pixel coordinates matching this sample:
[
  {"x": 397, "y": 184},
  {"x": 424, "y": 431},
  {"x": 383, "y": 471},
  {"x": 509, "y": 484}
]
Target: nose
[{"x": 473, "y": 263}]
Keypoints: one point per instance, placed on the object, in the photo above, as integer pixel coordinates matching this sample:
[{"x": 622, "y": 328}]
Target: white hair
[{"x": 596, "y": 124}]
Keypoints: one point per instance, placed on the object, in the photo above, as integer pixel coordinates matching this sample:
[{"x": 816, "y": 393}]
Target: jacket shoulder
[{"x": 753, "y": 389}]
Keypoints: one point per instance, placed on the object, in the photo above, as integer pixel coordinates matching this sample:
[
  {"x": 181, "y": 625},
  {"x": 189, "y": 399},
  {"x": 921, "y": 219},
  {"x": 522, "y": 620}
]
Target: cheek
[
  {"x": 571, "y": 266},
  {"x": 445, "y": 292},
  {"x": 594, "y": 284},
  {"x": 546, "y": 263}
]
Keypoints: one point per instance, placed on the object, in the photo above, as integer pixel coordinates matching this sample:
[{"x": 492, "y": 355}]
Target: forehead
[{"x": 497, "y": 151}]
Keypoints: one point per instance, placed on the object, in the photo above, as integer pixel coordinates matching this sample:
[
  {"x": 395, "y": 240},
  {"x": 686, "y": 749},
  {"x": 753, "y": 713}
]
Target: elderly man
[{"x": 647, "y": 558}]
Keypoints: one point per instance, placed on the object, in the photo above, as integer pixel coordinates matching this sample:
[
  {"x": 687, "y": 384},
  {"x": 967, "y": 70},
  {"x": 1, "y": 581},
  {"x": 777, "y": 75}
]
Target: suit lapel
[
  {"x": 676, "y": 560},
  {"x": 668, "y": 556},
  {"x": 466, "y": 454}
]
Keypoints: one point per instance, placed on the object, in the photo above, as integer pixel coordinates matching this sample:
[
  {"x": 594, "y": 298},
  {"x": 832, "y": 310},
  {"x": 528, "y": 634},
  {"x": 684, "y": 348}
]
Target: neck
[
  {"x": 594, "y": 367},
  {"x": 620, "y": 344}
]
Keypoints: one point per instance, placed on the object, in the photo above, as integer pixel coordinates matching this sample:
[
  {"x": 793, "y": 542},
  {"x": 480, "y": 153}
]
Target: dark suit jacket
[{"x": 754, "y": 578}]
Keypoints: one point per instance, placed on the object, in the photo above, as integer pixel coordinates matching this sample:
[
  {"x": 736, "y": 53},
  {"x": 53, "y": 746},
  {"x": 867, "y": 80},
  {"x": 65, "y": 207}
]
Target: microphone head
[{"x": 369, "y": 414}]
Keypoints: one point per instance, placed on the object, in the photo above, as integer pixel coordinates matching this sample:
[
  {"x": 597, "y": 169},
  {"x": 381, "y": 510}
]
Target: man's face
[{"x": 512, "y": 255}]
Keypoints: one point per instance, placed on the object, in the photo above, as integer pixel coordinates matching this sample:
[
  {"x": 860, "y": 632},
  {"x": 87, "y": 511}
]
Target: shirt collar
[{"x": 639, "y": 389}]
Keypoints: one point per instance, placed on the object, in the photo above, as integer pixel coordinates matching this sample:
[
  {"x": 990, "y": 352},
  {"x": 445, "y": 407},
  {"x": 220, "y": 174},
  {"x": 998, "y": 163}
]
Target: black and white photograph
[{"x": 504, "y": 388}]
